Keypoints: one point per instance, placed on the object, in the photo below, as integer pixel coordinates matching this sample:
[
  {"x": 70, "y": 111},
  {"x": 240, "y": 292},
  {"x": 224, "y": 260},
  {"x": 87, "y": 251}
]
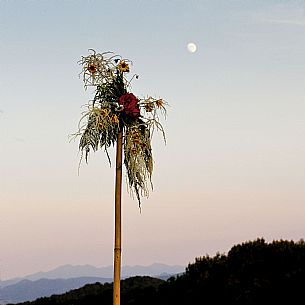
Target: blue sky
[{"x": 233, "y": 166}]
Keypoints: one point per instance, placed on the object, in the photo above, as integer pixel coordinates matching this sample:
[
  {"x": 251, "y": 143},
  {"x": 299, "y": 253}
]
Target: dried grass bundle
[{"x": 113, "y": 108}]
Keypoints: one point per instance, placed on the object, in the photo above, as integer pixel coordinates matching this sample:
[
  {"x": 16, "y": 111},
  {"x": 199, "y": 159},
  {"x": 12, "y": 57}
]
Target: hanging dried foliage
[{"x": 113, "y": 108}]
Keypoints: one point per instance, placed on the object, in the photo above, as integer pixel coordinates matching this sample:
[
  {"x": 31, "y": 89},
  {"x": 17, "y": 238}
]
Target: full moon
[{"x": 192, "y": 48}]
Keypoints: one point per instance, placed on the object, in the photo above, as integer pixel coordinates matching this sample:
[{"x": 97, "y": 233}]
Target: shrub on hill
[{"x": 251, "y": 273}]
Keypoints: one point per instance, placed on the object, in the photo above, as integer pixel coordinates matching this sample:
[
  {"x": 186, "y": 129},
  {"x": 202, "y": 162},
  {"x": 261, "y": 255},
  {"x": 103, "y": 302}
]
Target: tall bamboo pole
[{"x": 117, "y": 236}]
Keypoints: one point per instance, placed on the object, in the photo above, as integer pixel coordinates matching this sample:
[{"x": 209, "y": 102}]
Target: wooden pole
[{"x": 117, "y": 236}]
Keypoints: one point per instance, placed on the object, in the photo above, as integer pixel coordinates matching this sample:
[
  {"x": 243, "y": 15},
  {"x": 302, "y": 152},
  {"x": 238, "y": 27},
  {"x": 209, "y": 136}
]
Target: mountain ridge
[
  {"x": 68, "y": 271},
  {"x": 66, "y": 277},
  {"x": 28, "y": 290}
]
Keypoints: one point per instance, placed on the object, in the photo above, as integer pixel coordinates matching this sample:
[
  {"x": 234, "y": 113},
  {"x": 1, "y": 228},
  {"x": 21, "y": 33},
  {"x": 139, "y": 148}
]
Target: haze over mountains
[
  {"x": 74, "y": 271},
  {"x": 67, "y": 277}
]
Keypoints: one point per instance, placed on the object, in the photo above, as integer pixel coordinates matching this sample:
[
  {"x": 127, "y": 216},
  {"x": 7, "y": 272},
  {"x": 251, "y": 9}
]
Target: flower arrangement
[{"x": 115, "y": 108}]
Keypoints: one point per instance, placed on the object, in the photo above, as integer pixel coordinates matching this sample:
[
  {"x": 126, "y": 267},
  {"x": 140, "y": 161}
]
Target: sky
[{"x": 233, "y": 168}]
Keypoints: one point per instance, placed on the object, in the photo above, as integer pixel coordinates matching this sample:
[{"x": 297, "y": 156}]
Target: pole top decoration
[{"x": 115, "y": 108}]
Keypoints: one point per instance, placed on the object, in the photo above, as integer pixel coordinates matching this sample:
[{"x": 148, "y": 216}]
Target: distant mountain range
[
  {"x": 67, "y": 277},
  {"x": 26, "y": 290}
]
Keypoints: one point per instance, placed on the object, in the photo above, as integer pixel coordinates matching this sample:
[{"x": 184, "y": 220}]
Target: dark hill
[{"x": 254, "y": 272}]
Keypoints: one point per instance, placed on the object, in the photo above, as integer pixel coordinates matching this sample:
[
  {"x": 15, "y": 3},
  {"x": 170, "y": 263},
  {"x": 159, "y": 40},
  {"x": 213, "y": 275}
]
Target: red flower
[{"x": 130, "y": 105}]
